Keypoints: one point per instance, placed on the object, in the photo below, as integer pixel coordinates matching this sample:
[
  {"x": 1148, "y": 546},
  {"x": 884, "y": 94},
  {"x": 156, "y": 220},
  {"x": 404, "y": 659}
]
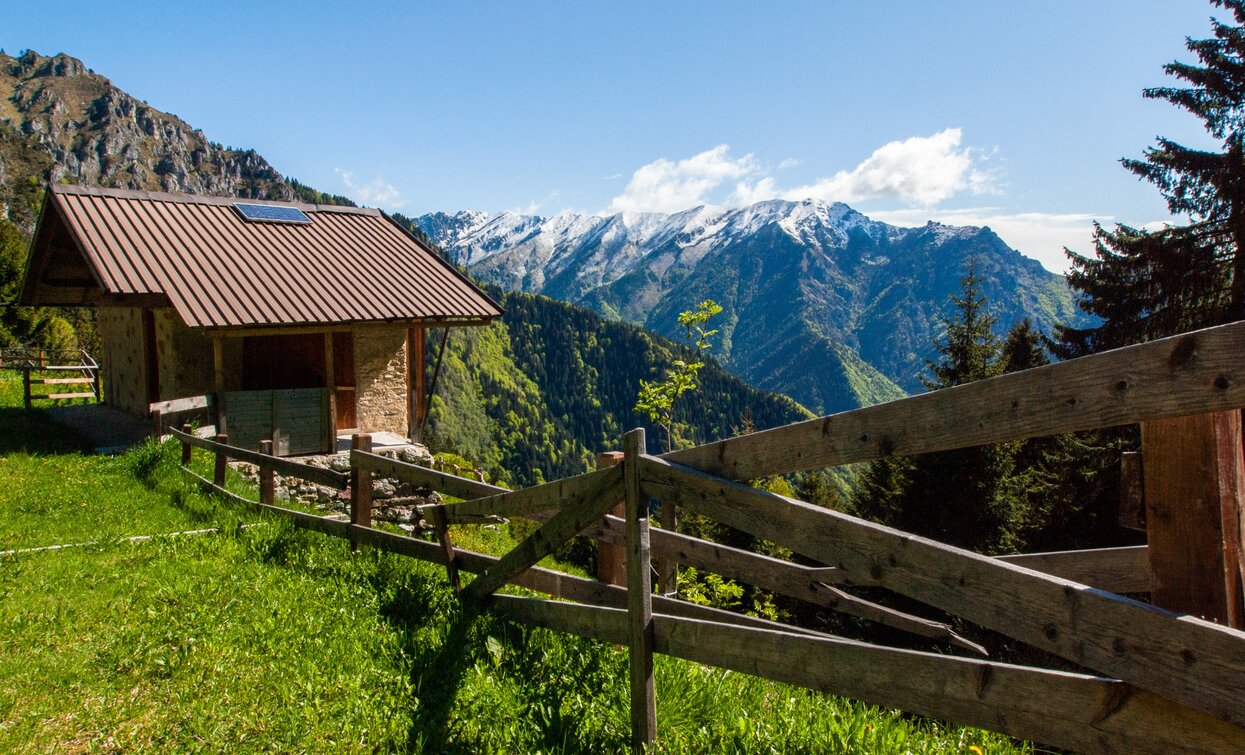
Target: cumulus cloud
[
  {"x": 1040, "y": 235},
  {"x": 374, "y": 193},
  {"x": 667, "y": 186}
]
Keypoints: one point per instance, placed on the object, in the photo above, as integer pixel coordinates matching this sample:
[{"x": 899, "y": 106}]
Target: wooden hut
[{"x": 296, "y": 322}]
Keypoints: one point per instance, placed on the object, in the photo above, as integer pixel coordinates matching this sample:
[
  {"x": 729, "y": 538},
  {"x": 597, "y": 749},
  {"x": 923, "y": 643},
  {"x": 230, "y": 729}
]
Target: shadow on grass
[{"x": 33, "y": 432}]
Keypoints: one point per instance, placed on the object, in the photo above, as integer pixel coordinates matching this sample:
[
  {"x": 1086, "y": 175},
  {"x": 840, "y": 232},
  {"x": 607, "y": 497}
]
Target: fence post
[
  {"x": 442, "y": 525},
  {"x": 99, "y": 397},
  {"x": 611, "y": 559},
  {"x": 218, "y": 476},
  {"x": 1195, "y": 492},
  {"x": 267, "y": 488},
  {"x": 668, "y": 568},
  {"x": 157, "y": 425},
  {"x": 26, "y": 387},
  {"x": 360, "y": 487},
  {"x": 186, "y": 428},
  {"x": 639, "y": 597}
]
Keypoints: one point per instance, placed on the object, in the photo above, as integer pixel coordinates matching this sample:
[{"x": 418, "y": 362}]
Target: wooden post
[
  {"x": 360, "y": 486},
  {"x": 442, "y": 525},
  {"x": 416, "y": 398},
  {"x": 668, "y": 568},
  {"x": 1194, "y": 489},
  {"x": 218, "y": 380},
  {"x": 267, "y": 488},
  {"x": 186, "y": 428},
  {"x": 99, "y": 397},
  {"x": 26, "y": 387},
  {"x": 611, "y": 559},
  {"x": 639, "y": 597},
  {"x": 330, "y": 388},
  {"x": 157, "y": 425},
  {"x": 218, "y": 475}
]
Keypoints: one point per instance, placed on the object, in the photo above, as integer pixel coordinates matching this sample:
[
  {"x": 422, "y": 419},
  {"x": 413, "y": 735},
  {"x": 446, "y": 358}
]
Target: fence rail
[
  {"x": 34, "y": 364},
  {"x": 1162, "y": 682}
]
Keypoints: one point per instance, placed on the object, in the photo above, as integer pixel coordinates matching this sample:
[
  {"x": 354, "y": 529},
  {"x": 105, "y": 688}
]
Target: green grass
[{"x": 268, "y": 638}]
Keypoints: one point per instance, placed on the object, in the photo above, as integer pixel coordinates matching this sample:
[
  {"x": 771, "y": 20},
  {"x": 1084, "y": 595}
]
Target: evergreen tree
[
  {"x": 1146, "y": 285},
  {"x": 962, "y": 496}
]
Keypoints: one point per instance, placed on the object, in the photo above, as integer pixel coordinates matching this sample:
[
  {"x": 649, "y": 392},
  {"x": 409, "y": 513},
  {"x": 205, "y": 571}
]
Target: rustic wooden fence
[
  {"x": 67, "y": 367},
  {"x": 1158, "y": 681}
]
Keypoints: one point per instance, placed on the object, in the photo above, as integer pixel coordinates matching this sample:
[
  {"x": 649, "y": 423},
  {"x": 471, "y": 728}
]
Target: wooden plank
[
  {"x": 1118, "y": 570},
  {"x": 1192, "y": 467},
  {"x": 1132, "y": 492},
  {"x": 1074, "y": 711},
  {"x": 459, "y": 487},
  {"x": 267, "y": 488},
  {"x": 809, "y": 584},
  {"x": 60, "y": 381},
  {"x": 190, "y": 403},
  {"x": 611, "y": 555},
  {"x": 576, "y": 513},
  {"x": 668, "y": 566},
  {"x": 527, "y": 501},
  {"x": 639, "y": 596},
  {"x": 447, "y": 546},
  {"x": 323, "y": 524},
  {"x": 330, "y": 397},
  {"x": 1180, "y": 657},
  {"x": 594, "y": 622},
  {"x": 1188, "y": 374},
  {"x": 57, "y": 396},
  {"x": 218, "y": 380},
  {"x": 318, "y": 475},
  {"x": 360, "y": 484}
]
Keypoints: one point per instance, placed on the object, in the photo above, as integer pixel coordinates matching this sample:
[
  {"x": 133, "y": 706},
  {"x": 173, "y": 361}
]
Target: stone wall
[
  {"x": 380, "y": 379},
  {"x": 185, "y": 365},
  {"x": 122, "y": 361}
]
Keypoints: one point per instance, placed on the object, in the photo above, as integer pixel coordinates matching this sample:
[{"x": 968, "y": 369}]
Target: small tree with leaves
[{"x": 657, "y": 399}]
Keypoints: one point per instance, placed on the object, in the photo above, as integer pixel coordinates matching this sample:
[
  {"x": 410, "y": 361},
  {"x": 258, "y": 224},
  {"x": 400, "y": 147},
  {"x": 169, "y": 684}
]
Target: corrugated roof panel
[{"x": 220, "y": 270}]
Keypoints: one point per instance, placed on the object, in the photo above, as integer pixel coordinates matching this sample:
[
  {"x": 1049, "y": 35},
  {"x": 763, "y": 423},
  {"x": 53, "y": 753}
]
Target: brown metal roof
[{"x": 220, "y": 270}]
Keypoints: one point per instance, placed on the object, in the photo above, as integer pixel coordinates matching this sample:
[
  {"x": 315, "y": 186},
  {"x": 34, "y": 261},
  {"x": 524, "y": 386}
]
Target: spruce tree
[{"x": 1142, "y": 284}]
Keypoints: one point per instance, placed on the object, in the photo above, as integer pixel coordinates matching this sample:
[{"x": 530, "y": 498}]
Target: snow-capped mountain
[{"x": 821, "y": 302}]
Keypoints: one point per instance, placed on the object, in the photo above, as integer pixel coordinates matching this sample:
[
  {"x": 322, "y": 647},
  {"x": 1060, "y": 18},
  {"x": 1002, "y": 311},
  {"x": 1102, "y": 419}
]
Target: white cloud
[
  {"x": 533, "y": 207},
  {"x": 374, "y": 193},
  {"x": 1040, "y": 235},
  {"x": 666, "y": 186},
  {"x": 918, "y": 171}
]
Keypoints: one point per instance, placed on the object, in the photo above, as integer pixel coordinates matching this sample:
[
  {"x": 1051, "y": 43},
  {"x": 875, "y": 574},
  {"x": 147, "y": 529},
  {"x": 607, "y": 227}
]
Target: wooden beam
[
  {"x": 360, "y": 484},
  {"x": 416, "y": 393},
  {"x": 218, "y": 380},
  {"x": 178, "y": 405},
  {"x": 550, "y": 496},
  {"x": 267, "y": 490},
  {"x": 1075, "y": 711},
  {"x": 1118, "y": 570},
  {"x": 447, "y": 547},
  {"x": 1196, "y": 372},
  {"x": 576, "y": 513},
  {"x": 611, "y": 556},
  {"x": 1183, "y": 658},
  {"x": 459, "y": 487},
  {"x": 330, "y": 386},
  {"x": 639, "y": 597},
  {"x": 318, "y": 475},
  {"x": 1194, "y": 493}
]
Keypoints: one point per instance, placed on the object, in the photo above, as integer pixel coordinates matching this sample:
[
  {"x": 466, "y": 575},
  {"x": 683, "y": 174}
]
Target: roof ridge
[{"x": 161, "y": 196}]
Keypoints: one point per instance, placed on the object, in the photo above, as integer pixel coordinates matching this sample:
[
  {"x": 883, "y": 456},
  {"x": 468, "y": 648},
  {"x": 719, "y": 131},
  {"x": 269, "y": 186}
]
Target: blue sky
[{"x": 1012, "y": 115}]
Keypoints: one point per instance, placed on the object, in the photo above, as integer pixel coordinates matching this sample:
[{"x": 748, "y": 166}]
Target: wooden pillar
[
  {"x": 611, "y": 559},
  {"x": 1194, "y": 489},
  {"x": 668, "y": 568},
  {"x": 218, "y": 381},
  {"x": 639, "y": 598},
  {"x": 360, "y": 486},
  {"x": 330, "y": 387},
  {"x": 157, "y": 425},
  {"x": 186, "y": 428},
  {"x": 218, "y": 473},
  {"x": 416, "y": 392},
  {"x": 267, "y": 486}
]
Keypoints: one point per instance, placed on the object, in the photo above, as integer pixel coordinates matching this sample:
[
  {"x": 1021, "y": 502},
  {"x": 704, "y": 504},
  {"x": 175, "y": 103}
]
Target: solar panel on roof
[{"x": 269, "y": 213}]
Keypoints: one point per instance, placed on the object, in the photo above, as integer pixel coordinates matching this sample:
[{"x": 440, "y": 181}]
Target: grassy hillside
[
  {"x": 539, "y": 394},
  {"x": 263, "y": 639}
]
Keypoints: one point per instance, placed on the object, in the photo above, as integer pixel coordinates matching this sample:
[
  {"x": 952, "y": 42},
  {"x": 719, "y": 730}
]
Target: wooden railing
[
  {"x": 34, "y": 364},
  {"x": 1159, "y": 681}
]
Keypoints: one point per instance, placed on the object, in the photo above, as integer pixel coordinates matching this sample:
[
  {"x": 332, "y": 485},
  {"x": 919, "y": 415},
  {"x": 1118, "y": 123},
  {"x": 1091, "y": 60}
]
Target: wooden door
[{"x": 344, "y": 380}]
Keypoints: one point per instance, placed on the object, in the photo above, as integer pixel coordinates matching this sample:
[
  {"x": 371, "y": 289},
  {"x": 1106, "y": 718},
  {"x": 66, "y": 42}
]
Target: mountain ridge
[{"x": 803, "y": 271}]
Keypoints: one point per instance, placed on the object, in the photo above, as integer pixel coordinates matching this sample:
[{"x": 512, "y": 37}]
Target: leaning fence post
[
  {"x": 441, "y": 522},
  {"x": 360, "y": 486},
  {"x": 267, "y": 488},
  {"x": 611, "y": 559},
  {"x": 219, "y": 473},
  {"x": 639, "y": 597},
  {"x": 187, "y": 429}
]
